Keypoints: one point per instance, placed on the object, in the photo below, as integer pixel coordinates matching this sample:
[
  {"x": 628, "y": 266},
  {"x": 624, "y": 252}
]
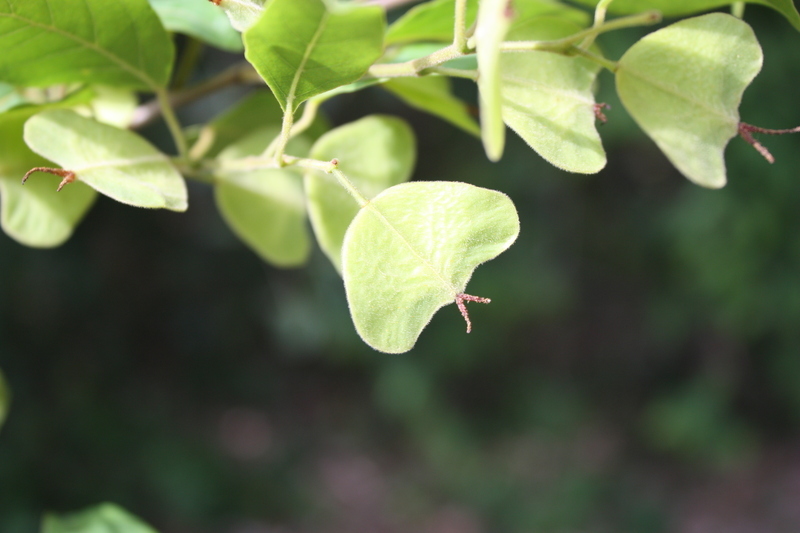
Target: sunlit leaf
[
  {"x": 494, "y": 20},
  {"x": 35, "y": 214},
  {"x": 201, "y": 20},
  {"x": 683, "y": 85},
  {"x": 412, "y": 250},
  {"x": 265, "y": 207},
  {"x": 242, "y": 13},
  {"x": 114, "y": 162},
  {"x": 432, "y": 94},
  {"x": 104, "y": 518},
  {"x": 301, "y": 48},
  {"x": 113, "y": 106},
  {"x": 120, "y": 43},
  {"x": 375, "y": 152},
  {"x": 548, "y": 99},
  {"x": 674, "y": 8}
]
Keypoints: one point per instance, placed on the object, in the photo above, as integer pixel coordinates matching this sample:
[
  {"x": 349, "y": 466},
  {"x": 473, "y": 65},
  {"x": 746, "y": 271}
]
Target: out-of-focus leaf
[
  {"x": 243, "y": 13},
  {"x": 201, "y": 20},
  {"x": 104, "y": 518}
]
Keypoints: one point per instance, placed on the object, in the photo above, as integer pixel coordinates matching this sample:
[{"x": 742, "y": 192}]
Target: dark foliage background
[{"x": 638, "y": 370}]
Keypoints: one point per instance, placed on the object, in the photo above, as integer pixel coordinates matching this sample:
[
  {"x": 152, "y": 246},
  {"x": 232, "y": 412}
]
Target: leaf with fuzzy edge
[
  {"x": 120, "y": 43},
  {"x": 412, "y": 249},
  {"x": 683, "y": 85},
  {"x": 548, "y": 99},
  {"x": 302, "y": 49},
  {"x": 494, "y": 21},
  {"x": 114, "y": 162}
]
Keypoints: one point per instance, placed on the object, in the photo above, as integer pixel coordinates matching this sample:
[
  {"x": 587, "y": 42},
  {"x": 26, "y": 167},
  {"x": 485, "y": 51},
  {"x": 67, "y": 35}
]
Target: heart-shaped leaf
[
  {"x": 201, "y": 20},
  {"x": 676, "y": 8},
  {"x": 548, "y": 99},
  {"x": 34, "y": 214},
  {"x": 120, "y": 43},
  {"x": 114, "y": 162},
  {"x": 494, "y": 21},
  {"x": 302, "y": 49},
  {"x": 104, "y": 518},
  {"x": 683, "y": 85},
  {"x": 412, "y": 250},
  {"x": 266, "y": 207},
  {"x": 375, "y": 153}
]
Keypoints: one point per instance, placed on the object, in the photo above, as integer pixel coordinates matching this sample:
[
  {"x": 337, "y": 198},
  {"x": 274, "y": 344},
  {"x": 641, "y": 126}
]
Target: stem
[
  {"x": 460, "y": 29},
  {"x": 278, "y": 146},
  {"x": 414, "y": 67},
  {"x": 591, "y": 56},
  {"x": 563, "y": 45},
  {"x": 172, "y": 122},
  {"x": 737, "y": 9},
  {"x": 599, "y": 18},
  {"x": 189, "y": 58},
  {"x": 454, "y": 72},
  {"x": 348, "y": 185}
]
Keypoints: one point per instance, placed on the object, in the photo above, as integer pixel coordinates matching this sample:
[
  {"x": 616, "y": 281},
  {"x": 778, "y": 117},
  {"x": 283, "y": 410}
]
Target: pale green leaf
[
  {"x": 412, "y": 250},
  {"x": 375, "y": 152},
  {"x": 10, "y": 97},
  {"x": 202, "y": 20},
  {"x": 301, "y": 48},
  {"x": 548, "y": 99},
  {"x": 5, "y": 399},
  {"x": 113, "y": 106},
  {"x": 120, "y": 43},
  {"x": 429, "y": 21},
  {"x": 675, "y": 8},
  {"x": 494, "y": 21},
  {"x": 35, "y": 214},
  {"x": 114, "y": 162},
  {"x": 265, "y": 208},
  {"x": 432, "y": 94},
  {"x": 243, "y": 13},
  {"x": 683, "y": 85},
  {"x": 103, "y": 518}
]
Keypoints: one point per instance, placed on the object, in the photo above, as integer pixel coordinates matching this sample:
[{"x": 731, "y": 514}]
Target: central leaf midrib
[
  {"x": 88, "y": 44},
  {"x": 306, "y": 56},
  {"x": 372, "y": 207}
]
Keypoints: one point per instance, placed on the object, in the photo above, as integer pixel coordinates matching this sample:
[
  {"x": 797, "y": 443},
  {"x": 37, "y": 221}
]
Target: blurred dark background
[{"x": 638, "y": 370}]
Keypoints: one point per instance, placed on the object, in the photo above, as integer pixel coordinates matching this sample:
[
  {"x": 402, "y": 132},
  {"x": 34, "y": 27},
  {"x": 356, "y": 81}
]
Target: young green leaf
[
  {"x": 103, "y": 518},
  {"x": 430, "y": 21},
  {"x": 5, "y": 399},
  {"x": 548, "y": 99},
  {"x": 114, "y": 162},
  {"x": 120, "y": 43},
  {"x": 494, "y": 20},
  {"x": 201, "y": 20},
  {"x": 412, "y": 249},
  {"x": 675, "y": 8},
  {"x": 375, "y": 152},
  {"x": 302, "y": 49},
  {"x": 432, "y": 94},
  {"x": 265, "y": 208},
  {"x": 34, "y": 214},
  {"x": 242, "y": 13},
  {"x": 683, "y": 85}
]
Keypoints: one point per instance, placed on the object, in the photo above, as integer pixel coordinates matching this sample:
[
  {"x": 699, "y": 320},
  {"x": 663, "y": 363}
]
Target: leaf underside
[{"x": 412, "y": 250}]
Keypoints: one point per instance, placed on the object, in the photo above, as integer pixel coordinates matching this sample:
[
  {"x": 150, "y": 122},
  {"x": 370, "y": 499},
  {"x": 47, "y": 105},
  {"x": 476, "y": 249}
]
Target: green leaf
[
  {"x": 243, "y": 13},
  {"x": 683, "y": 85},
  {"x": 302, "y": 49},
  {"x": 265, "y": 208},
  {"x": 10, "y": 97},
  {"x": 675, "y": 8},
  {"x": 103, "y": 518},
  {"x": 432, "y": 94},
  {"x": 114, "y": 162},
  {"x": 412, "y": 250},
  {"x": 35, "y": 214},
  {"x": 113, "y": 106},
  {"x": 494, "y": 20},
  {"x": 548, "y": 99},
  {"x": 201, "y": 20},
  {"x": 5, "y": 399},
  {"x": 431, "y": 21},
  {"x": 120, "y": 43},
  {"x": 375, "y": 152}
]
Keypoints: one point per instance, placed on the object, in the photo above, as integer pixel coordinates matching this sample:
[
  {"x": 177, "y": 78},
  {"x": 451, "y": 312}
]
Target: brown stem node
[
  {"x": 68, "y": 175},
  {"x": 461, "y": 299}
]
